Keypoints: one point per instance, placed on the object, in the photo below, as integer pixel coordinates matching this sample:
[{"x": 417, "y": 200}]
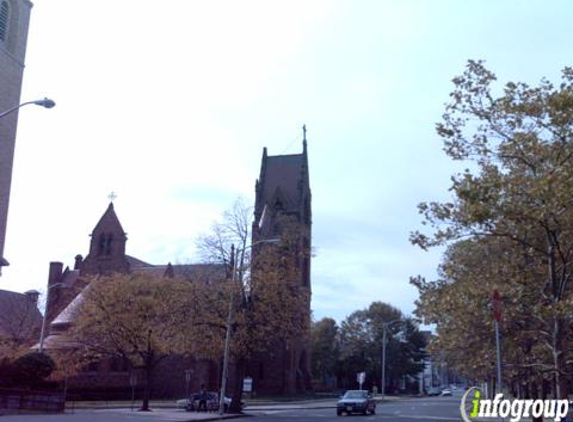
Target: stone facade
[
  {"x": 14, "y": 19},
  {"x": 283, "y": 189}
]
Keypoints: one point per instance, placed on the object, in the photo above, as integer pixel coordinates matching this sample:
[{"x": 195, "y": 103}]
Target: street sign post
[
  {"x": 132, "y": 383},
  {"x": 247, "y": 385},
  {"x": 360, "y": 377},
  {"x": 497, "y": 315},
  {"x": 187, "y": 381}
]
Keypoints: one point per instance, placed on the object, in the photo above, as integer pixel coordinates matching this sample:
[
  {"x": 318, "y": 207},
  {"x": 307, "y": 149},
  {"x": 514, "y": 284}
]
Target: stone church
[{"x": 283, "y": 188}]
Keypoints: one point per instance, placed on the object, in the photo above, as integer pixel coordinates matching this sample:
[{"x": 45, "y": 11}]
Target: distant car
[
  {"x": 434, "y": 391},
  {"x": 446, "y": 392},
  {"x": 356, "y": 401},
  {"x": 212, "y": 402}
]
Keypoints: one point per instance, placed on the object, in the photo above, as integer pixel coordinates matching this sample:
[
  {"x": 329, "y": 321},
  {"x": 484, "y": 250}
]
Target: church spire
[
  {"x": 304, "y": 139},
  {"x": 107, "y": 246}
]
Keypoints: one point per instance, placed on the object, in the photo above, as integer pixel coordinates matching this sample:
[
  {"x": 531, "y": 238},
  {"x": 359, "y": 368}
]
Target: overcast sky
[{"x": 169, "y": 104}]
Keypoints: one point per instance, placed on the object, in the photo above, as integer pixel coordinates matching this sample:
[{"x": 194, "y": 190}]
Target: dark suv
[{"x": 356, "y": 401}]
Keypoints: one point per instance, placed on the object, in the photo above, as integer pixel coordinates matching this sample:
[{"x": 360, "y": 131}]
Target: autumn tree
[
  {"x": 135, "y": 317},
  {"x": 520, "y": 146},
  {"x": 361, "y": 336},
  {"x": 325, "y": 348},
  {"x": 20, "y": 323},
  {"x": 459, "y": 303},
  {"x": 268, "y": 302}
]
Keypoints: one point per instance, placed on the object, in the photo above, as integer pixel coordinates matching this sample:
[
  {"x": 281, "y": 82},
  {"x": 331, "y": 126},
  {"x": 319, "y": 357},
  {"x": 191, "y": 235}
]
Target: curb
[
  {"x": 253, "y": 409},
  {"x": 219, "y": 418}
]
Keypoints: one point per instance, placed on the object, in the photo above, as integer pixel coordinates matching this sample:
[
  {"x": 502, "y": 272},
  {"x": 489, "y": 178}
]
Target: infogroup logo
[{"x": 474, "y": 407}]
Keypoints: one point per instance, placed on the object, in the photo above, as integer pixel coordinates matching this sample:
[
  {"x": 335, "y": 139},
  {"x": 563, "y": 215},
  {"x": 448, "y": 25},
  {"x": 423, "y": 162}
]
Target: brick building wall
[{"x": 12, "y": 53}]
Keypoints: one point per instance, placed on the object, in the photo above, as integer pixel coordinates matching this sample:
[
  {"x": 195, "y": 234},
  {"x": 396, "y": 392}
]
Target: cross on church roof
[{"x": 112, "y": 196}]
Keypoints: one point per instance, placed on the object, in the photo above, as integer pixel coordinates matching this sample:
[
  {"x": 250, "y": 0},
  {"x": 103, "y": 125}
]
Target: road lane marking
[{"x": 402, "y": 415}]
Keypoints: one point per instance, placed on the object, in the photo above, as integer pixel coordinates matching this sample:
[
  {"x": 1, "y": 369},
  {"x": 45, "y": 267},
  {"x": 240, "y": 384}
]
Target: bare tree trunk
[
  {"x": 561, "y": 386},
  {"x": 535, "y": 395},
  {"x": 146, "y": 391},
  {"x": 240, "y": 370}
]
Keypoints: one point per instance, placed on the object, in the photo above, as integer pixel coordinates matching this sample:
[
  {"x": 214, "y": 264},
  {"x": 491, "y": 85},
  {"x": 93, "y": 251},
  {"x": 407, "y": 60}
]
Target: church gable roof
[{"x": 109, "y": 222}]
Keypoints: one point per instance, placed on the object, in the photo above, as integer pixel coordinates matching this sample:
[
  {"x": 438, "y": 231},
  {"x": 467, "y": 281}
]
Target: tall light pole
[
  {"x": 42, "y": 333},
  {"x": 384, "y": 329},
  {"x": 230, "y": 320},
  {"x": 6, "y": 174}
]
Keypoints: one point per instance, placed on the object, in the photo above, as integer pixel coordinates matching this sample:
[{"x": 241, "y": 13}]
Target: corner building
[{"x": 14, "y": 20}]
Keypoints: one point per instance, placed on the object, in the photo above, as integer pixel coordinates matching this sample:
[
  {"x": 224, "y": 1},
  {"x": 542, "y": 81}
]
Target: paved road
[
  {"x": 429, "y": 409},
  {"x": 432, "y": 409}
]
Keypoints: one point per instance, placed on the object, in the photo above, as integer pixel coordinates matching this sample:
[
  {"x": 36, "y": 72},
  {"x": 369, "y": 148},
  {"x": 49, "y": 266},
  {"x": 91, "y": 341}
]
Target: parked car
[
  {"x": 356, "y": 401},
  {"x": 212, "y": 402},
  {"x": 446, "y": 392},
  {"x": 434, "y": 391}
]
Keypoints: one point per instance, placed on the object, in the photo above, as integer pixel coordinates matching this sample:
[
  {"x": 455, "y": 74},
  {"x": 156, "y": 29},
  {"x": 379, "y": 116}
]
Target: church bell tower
[
  {"x": 283, "y": 190},
  {"x": 107, "y": 247}
]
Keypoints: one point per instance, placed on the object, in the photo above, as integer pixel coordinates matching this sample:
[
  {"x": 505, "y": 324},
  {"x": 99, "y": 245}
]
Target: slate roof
[
  {"x": 194, "y": 272},
  {"x": 67, "y": 315},
  {"x": 284, "y": 172},
  {"x": 109, "y": 219},
  {"x": 134, "y": 262}
]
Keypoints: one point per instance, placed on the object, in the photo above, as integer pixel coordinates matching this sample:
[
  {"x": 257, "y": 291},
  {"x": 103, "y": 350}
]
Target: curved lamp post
[
  {"x": 46, "y": 103},
  {"x": 230, "y": 322}
]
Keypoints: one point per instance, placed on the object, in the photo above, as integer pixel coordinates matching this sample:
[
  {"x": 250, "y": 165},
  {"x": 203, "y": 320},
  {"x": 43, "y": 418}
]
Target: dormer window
[{"x": 4, "y": 19}]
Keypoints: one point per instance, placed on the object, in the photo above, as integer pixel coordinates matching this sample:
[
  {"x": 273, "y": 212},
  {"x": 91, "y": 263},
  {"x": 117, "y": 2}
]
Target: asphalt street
[{"x": 430, "y": 409}]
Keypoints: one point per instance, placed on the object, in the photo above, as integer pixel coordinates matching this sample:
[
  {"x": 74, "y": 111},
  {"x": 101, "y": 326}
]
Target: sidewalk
[{"x": 120, "y": 415}]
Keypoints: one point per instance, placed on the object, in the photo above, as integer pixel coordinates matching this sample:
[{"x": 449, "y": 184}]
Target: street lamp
[
  {"x": 42, "y": 333},
  {"x": 46, "y": 103},
  {"x": 384, "y": 329},
  {"x": 230, "y": 321}
]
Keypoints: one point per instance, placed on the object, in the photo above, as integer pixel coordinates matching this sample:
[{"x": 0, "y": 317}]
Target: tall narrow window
[
  {"x": 4, "y": 18},
  {"x": 101, "y": 245},
  {"x": 108, "y": 241}
]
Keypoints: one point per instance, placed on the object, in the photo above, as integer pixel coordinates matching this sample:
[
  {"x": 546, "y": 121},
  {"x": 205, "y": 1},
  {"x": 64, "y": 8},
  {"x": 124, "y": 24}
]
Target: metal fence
[{"x": 37, "y": 401}]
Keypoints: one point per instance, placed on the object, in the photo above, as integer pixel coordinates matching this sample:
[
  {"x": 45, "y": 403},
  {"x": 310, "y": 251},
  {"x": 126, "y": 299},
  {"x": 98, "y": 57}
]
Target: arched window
[
  {"x": 108, "y": 242},
  {"x": 101, "y": 245},
  {"x": 4, "y": 19}
]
